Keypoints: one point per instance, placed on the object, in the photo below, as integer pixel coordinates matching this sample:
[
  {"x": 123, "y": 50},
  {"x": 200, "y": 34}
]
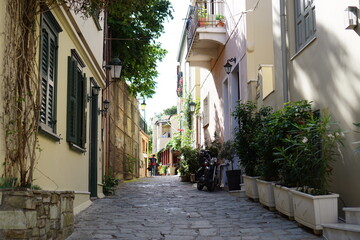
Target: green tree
[
  {"x": 135, "y": 25},
  {"x": 170, "y": 111}
]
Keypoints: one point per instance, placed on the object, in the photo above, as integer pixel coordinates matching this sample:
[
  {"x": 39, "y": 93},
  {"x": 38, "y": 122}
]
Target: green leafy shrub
[
  {"x": 8, "y": 182},
  {"x": 163, "y": 169},
  {"x": 227, "y": 152},
  {"x": 13, "y": 183},
  {"x": 109, "y": 184},
  {"x": 309, "y": 153},
  {"x": 246, "y": 135}
]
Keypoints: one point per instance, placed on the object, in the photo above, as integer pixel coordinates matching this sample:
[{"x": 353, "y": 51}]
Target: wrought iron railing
[
  {"x": 143, "y": 125},
  {"x": 204, "y": 14}
]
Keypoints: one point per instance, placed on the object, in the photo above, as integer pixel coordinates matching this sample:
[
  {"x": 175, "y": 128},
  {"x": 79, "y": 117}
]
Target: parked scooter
[{"x": 207, "y": 174}]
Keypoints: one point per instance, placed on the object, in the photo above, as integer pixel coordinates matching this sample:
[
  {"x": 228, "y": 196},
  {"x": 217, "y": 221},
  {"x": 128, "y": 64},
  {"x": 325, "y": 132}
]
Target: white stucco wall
[{"x": 327, "y": 73}]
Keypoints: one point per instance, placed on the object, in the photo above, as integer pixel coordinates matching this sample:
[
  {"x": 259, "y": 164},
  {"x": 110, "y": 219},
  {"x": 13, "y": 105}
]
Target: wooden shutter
[
  {"x": 72, "y": 127},
  {"x": 83, "y": 110},
  {"x": 305, "y": 23},
  {"x": 43, "y": 73},
  {"x": 51, "y": 83},
  {"x": 48, "y": 75}
]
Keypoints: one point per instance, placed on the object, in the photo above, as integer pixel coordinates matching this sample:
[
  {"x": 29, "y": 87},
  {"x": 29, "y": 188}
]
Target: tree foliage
[
  {"x": 170, "y": 111},
  {"x": 135, "y": 25}
]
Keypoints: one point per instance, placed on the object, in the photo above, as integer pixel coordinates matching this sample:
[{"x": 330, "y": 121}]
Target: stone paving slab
[{"x": 163, "y": 208}]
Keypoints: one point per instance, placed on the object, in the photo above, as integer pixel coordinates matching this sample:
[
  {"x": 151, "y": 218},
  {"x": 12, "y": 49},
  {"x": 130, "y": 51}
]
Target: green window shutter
[
  {"x": 72, "y": 128},
  {"x": 43, "y": 73},
  {"x": 48, "y": 77},
  {"x": 51, "y": 84},
  {"x": 83, "y": 100}
]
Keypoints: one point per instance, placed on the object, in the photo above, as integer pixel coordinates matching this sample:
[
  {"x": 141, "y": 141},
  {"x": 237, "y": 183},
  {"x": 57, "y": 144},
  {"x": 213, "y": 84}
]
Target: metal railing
[
  {"x": 143, "y": 125},
  {"x": 204, "y": 14}
]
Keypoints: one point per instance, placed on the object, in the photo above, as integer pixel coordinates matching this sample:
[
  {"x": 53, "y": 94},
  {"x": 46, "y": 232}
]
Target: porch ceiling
[{"x": 205, "y": 44}]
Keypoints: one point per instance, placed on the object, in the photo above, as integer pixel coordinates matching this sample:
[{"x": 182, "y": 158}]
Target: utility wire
[{"x": 230, "y": 35}]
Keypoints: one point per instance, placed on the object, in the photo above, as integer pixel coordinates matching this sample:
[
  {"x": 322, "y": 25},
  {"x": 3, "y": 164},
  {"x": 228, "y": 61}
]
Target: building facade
[
  {"x": 278, "y": 51},
  {"x": 164, "y": 129},
  {"x": 78, "y": 136}
]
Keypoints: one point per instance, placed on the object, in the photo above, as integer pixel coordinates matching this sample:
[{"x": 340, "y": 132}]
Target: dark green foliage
[
  {"x": 246, "y": 135},
  {"x": 228, "y": 152},
  {"x": 307, "y": 153},
  {"x": 134, "y": 26},
  {"x": 13, "y": 183},
  {"x": 190, "y": 161},
  {"x": 170, "y": 111},
  {"x": 8, "y": 182},
  {"x": 282, "y": 126},
  {"x": 109, "y": 184},
  {"x": 214, "y": 146}
]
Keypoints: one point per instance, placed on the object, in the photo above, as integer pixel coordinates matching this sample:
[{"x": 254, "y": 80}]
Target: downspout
[{"x": 284, "y": 52}]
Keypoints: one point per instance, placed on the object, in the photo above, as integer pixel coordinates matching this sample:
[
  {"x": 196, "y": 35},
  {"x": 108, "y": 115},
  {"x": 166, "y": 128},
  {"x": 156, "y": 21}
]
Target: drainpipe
[{"x": 284, "y": 52}]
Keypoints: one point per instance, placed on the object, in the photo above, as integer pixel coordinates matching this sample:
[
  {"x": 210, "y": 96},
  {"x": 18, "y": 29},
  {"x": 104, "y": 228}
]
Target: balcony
[
  {"x": 205, "y": 31},
  {"x": 143, "y": 125}
]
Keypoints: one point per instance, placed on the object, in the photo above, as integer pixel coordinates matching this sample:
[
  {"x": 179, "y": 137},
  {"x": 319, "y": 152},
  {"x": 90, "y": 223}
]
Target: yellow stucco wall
[{"x": 59, "y": 167}]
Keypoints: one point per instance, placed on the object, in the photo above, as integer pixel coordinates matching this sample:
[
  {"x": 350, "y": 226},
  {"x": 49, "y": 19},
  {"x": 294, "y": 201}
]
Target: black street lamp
[
  {"x": 192, "y": 106},
  {"x": 106, "y": 105},
  {"x": 115, "y": 68},
  {"x": 228, "y": 66}
]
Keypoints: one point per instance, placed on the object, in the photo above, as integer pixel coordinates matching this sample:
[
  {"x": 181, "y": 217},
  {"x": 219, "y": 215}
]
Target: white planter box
[
  {"x": 266, "y": 193},
  {"x": 312, "y": 211},
  {"x": 284, "y": 200},
  {"x": 251, "y": 189}
]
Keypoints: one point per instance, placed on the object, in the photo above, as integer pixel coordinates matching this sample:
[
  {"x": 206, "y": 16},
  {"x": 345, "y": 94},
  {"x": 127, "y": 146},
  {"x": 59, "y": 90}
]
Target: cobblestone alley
[{"x": 167, "y": 209}]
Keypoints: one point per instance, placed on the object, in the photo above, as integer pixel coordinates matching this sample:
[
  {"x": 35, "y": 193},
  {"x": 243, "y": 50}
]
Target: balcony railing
[
  {"x": 204, "y": 14},
  {"x": 143, "y": 125}
]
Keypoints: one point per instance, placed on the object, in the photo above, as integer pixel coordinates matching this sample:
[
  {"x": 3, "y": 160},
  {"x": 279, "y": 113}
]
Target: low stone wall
[{"x": 33, "y": 214}]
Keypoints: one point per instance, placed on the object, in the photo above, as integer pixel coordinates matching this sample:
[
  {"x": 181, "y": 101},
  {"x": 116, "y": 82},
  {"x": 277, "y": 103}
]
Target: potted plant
[
  {"x": 202, "y": 16},
  {"x": 245, "y": 135},
  {"x": 268, "y": 168},
  {"x": 227, "y": 152},
  {"x": 281, "y": 126},
  {"x": 307, "y": 157},
  {"x": 220, "y": 20}
]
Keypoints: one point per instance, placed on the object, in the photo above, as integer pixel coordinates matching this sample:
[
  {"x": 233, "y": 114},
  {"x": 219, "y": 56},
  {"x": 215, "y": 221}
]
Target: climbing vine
[
  {"x": 20, "y": 86},
  {"x": 20, "y": 90}
]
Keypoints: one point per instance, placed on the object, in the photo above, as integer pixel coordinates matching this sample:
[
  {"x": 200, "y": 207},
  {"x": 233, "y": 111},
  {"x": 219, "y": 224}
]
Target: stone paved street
[{"x": 167, "y": 209}]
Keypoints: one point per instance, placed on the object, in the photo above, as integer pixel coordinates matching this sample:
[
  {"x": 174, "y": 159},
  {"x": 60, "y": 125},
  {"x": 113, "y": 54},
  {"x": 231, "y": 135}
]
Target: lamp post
[{"x": 143, "y": 106}]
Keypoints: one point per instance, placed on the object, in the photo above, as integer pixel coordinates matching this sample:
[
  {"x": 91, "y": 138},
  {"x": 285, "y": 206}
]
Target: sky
[{"x": 165, "y": 96}]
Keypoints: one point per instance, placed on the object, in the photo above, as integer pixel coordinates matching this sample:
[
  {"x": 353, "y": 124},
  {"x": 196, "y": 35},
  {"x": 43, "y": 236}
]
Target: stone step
[
  {"x": 341, "y": 231},
  {"x": 352, "y": 215}
]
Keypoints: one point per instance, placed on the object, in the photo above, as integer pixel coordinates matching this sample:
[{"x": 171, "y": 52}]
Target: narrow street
[{"x": 165, "y": 208}]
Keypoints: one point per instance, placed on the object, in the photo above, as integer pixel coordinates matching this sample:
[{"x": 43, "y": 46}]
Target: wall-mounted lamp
[
  {"x": 143, "y": 105},
  {"x": 95, "y": 90},
  {"x": 106, "y": 105},
  {"x": 351, "y": 17},
  {"x": 228, "y": 66},
  {"x": 115, "y": 67},
  {"x": 192, "y": 106}
]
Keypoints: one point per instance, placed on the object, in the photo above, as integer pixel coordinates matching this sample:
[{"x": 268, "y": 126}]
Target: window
[
  {"x": 305, "y": 24},
  {"x": 76, "y": 103},
  {"x": 206, "y": 112},
  {"x": 48, "y": 72}
]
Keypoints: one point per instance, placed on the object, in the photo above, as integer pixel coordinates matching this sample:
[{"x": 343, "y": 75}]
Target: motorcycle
[{"x": 207, "y": 174}]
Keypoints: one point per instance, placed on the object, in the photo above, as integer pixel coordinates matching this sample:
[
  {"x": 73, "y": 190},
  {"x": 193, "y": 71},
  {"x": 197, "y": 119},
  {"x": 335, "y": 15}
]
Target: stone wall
[
  {"x": 33, "y": 214},
  {"x": 124, "y": 131}
]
